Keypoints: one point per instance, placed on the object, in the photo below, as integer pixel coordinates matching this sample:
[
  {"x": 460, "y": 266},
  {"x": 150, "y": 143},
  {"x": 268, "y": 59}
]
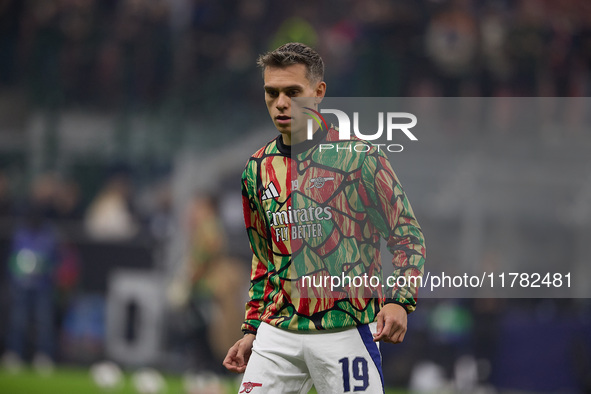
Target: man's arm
[
  {"x": 392, "y": 322},
  {"x": 239, "y": 354},
  {"x": 392, "y": 214},
  {"x": 257, "y": 236}
]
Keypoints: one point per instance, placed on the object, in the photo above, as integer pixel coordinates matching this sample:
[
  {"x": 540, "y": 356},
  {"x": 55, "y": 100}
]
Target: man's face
[{"x": 283, "y": 84}]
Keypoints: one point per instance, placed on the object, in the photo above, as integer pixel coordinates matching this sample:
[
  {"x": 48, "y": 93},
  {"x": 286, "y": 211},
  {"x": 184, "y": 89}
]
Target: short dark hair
[{"x": 294, "y": 53}]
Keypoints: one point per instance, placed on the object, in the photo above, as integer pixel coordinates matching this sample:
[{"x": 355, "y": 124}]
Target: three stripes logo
[{"x": 270, "y": 192}]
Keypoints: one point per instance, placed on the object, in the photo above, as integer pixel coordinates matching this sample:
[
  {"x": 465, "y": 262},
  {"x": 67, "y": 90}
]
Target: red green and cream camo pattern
[{"x": 319, "y": 213}]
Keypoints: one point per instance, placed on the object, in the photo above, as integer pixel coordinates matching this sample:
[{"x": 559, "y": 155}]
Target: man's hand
[
  {"x": 238, "y": 355},
  {"x": 391, "y": 324}
]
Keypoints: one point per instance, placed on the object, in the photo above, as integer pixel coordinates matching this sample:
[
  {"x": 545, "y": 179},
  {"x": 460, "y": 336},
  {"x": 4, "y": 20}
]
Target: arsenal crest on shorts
[{"x": 248, "y": 386}]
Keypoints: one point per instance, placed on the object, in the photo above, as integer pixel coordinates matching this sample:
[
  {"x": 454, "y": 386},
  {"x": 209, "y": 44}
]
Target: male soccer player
[{"x": 319, "y": 214}]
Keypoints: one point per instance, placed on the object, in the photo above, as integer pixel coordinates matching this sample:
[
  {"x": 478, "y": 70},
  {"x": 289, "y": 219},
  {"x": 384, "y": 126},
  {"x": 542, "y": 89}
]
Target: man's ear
[{"x": 320, "y": 92}]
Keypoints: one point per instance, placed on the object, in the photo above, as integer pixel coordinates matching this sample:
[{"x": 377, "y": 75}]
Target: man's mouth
[{"x": 283, "y": 119}]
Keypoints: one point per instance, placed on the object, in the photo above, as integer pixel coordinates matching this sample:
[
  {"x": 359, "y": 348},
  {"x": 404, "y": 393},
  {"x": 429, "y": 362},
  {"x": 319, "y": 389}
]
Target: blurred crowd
[
  {"x": 60, "y": 249},
  {"x": 201, "y": 53},
  {"x": 196, "y": 59},
  {"x": 112, "y": 210},
  {"x": 44, "y": 238}
]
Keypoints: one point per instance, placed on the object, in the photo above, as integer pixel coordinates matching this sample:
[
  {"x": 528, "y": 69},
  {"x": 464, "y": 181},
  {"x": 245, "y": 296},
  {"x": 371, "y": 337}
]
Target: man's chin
[{"x": 284, "y": 130}]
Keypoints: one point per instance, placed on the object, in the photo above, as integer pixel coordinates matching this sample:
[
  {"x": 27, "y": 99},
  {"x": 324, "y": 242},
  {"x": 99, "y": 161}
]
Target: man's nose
[{"x": 282, "y": 101}]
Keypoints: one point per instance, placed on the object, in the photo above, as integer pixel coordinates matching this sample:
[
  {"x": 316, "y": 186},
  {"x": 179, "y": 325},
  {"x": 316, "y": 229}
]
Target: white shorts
[{"x": 339, "y": 361}]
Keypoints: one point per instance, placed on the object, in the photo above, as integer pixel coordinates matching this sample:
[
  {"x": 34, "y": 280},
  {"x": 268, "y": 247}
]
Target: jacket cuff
[{"x": 393, "y": 301}]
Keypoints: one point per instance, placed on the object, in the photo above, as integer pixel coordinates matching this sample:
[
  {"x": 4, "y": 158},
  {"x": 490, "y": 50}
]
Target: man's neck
[{"x": 299, "y": 137}]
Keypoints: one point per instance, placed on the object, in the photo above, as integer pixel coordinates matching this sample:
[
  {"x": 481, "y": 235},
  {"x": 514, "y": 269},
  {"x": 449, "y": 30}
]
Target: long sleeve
[
  {"x": 391, "y": 213},
  {"x": 257, "y": 235}
]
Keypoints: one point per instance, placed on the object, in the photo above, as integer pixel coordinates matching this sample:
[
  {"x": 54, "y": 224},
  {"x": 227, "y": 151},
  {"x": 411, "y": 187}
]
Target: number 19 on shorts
[{"x": 358, "y": 369}]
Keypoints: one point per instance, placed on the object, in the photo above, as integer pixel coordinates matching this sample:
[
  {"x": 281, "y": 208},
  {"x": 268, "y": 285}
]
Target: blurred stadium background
[{"x": 125, "y": 125}]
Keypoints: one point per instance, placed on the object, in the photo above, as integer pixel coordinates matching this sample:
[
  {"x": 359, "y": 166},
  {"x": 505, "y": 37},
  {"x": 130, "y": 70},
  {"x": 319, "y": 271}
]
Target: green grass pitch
[
  {"x": 78, "y": 381},
  {"x": 69, "y": 381}
]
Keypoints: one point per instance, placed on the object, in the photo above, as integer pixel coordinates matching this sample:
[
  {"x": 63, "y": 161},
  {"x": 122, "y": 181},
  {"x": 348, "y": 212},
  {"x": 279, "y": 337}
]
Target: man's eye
[
  {"x": 272, "y": 94},
  {"x": 293, "y": 93}
]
